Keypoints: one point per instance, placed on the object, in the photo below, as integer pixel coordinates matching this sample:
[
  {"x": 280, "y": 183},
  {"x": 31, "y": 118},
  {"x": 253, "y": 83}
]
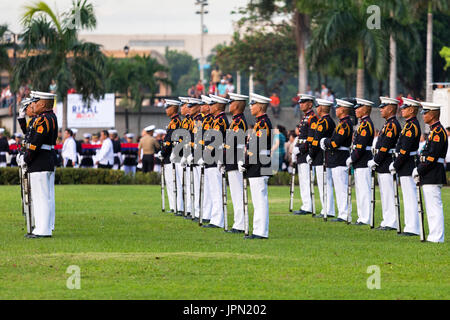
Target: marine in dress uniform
[
  {"x": 206, "y": 122},
  {"x": 186, "y": 124},
  {"x": 39, "y": 160},
  {"x": 404, "y": 164},
  {"x": 361, "y": 153},
  {"x": 324, "y": 128},
  {"x": 301, "y": 149},
  {"x": 4, "y": 148},
  {"x": 257, "y": 166},
  {"x": 14, "y": 148},
  {"x": 338, "y": 151},
  {"x": 87, "y": 152},
  {"x": 430, "y": 171},
  {"x": 215, "y": 161},
  {"x": 129, "y": 155},
  {"x": 167, "y": 157},
  {"x": 235, "y": 152},
  {"x": 383, "y": 157}
]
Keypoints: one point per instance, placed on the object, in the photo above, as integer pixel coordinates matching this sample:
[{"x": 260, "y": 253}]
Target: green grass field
[{"x": 127, "y": 248}]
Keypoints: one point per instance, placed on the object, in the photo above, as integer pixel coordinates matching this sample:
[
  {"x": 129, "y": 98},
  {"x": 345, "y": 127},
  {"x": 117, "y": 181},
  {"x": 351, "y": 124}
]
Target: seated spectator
[
  {"x": 230, "y": 86},
  {"x": 52, "y": 88},
  {"x": 191, "y": 91},
  {"x": 222, "y": 88},
  {"x": 199, "y": 89},
  {"x": 212, "y": 88}
]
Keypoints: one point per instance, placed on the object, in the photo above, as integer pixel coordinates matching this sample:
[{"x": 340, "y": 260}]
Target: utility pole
[
  {"x": 202, "y": 12},
  {"x": 250, "y": 81}
]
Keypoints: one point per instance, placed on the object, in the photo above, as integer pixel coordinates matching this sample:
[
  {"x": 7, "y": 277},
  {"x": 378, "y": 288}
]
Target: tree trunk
[
  {"x": 139, "y": 117},
  {"x": 393, "y": 68},
  {"x": 301, "y": 31},
  {"x": 64, "y": 114},
  {"x": 429, "y": 61},
  {"x": 360, "y": 72}
]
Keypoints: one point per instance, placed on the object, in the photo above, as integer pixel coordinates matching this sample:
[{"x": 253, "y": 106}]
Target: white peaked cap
[
  {"x": 149, "y": 128},
  {"x": 184, "y": 99},
  {"x": 2, "y": 130},
  {"x": 411, "y": 102},
  {"x": 42, "y": 95},
  {"x": 218, "y": 99},
  {"x": 431, "y": 106},
  {"x": 25, "y": 102},
  {"x": 130, "y": 135},
  {"x": 18, "y": 135},
  {"x": 323, "y": 102},
  {"x": 170, "y": 102},
  {"x": 206, "y": 99},
  {"x": 87, "y": 135},
  {"x": 112, "y": 131},
  {"x": 343, "y": 103},
  {"x": 259, "y": 98},
  {"x": 160, "y": 131},
  {"x": 195, "y": 101},
  {"x": 364, "y": 102},
  {"x": 74, "y": 131},
  {"x": 304, "y": 96},
  {"x": 237, "y": 97},
  {"x": 387, "y": 100}
]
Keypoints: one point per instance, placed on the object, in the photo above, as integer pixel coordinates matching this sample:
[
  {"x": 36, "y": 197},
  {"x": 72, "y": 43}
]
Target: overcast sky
[{"x": 139, "y": 16}]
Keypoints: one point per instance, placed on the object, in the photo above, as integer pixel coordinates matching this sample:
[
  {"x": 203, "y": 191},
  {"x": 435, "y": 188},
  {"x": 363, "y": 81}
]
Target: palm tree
[
  {"x": 4, "y": 46},
  {"x": 136, "y": 77},
  {"x": 343, "y": 25},
  {"x": 52, "y": 51}
]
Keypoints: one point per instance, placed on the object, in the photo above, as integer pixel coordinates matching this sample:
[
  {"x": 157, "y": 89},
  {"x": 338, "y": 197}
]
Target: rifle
[
  {"x": 372, "y": 207},
  {"x": 397, "y": 200},
  {"x": 191, "y": 174},
  {"x": 291, "y": 201},
  {"x": 174, "y": 178},
  {"x": 325, "y": 187},
  {"x": 224, "y": 201},
  {"x": 26, "y": 198},
  {"x": 245, "y": 198},
  {"x": 202, "y": 191},
  {"x": 311, "y": 189},
  {"x": 163, "y": 207},
  {"x": 183, "y": 188},
  {"x": 420, "y": 204}
]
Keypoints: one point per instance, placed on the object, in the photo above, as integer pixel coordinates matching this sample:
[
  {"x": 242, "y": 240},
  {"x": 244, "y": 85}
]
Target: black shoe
[
  {"x": 178, "y": 214},
  {"x": 302, "y": 212},
  {"x": 408, "y": 234},
  {"x": 385, "y": 228},
  {"x": 359, "y": 224},
  {"x": 254, "y": 236},
  {"x": 210, "y": 226},
  {"x": 205, "y": 221},
  {"x": 188, "y": 217},
  {"x": 35, "y": 236},
  {"x": 195, "y": 219},
  {"x": 233, "y": 230},
  {"x": 338, "y": 220}
]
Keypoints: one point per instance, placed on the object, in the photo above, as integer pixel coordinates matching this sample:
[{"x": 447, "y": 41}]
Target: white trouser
[
  {"x": 52, "y": 200},
  {"x": 305, "y": 186},
  {"x": 340, "y": 183},
  {"x": 386, "y": 184},
  {"x": 197, "y": 172},
  {"x": 129, "y": 169},
  {"x": 214, "y": 195},
  {"x": 260, "y": 200},
  {"x": 157, "y": 168},
  {"x": 207, "y": 201},
  {"x": 330, "y": 198},
  {"x": 40, "y": 183},
  {"x": 363, "y": 194},
  {"x": 236, "y": 181},
  {"x": 435, "y": 212},
  {"x": 411, "y": 210},
  {"x": 168, "y": 177},
  {"x": 179, "y": 173},
  {"x": 3, "y": 165},
  {"x": 187, "y": 188}
]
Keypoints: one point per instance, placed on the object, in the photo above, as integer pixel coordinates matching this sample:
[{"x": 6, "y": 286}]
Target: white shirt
[
  {"x": 105, "y": 155},
  {"x": 69, "y": 151}
]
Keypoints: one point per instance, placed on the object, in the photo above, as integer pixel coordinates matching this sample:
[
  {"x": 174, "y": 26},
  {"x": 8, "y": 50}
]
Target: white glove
[
  {"x": 322, "y": 144},
  {"x": 201, "y": 162},
  {"x": 372, "y": 164},
  {"x": 392, "y": 169},
  {"x": 241, "y": 167},
  {"x": 348, "y": 162},
  {"x": 21, "y": 113},
  {"x": 221, "y": 168},
  {"x": 183, "y": 162},
  {"x": 415, "y": 175},
  {"x": 190, "y": 159},
  {"x": 172, "y": 157},
  {"x": 309, "y": 159},
  {"x": 20, "y": 161},
  {"x": 159, "y": 156}
]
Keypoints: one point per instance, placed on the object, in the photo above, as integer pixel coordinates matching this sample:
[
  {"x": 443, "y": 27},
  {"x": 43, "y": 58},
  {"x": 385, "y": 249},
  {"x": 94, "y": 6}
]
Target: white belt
[
  {"x": 441, "y": 160},
  {"x": 413, "y": 153},
  {"x": 265, "y": 152},
  {"x": 369, "y": 148},
  {"x": 391, "y": 151},
  {"x": 46, "y": 147},
  {"x": 116, "y": 154},
  {"x": 3, "y": 153},
  {"x": 344, "y": 148},
  {"x": 302, "y": 140}
]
